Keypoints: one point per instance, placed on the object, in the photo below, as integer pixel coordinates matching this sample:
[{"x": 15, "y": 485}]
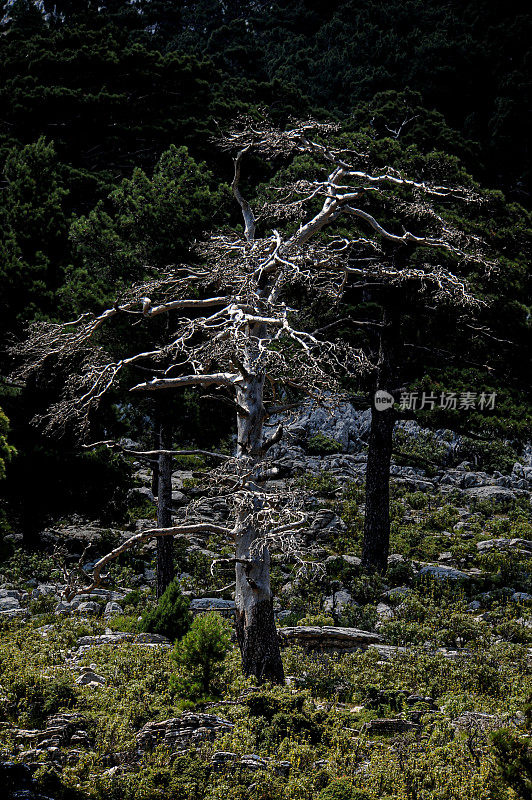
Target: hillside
[
  {"x": 265, "y": 400},
  {"x": 395, "y": 685}
]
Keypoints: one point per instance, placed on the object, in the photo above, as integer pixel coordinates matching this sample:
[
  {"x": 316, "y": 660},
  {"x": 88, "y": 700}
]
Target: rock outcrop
[
  {"x": 327, "y": 638},
  {"x": 179, "y": 733}
]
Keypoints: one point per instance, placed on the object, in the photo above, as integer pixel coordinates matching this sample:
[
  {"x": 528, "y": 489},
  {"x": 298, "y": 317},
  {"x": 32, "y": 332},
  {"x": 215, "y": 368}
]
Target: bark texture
[
  {"x": 377, "y": 518},
  {"x": 165, "y": 545},
  {"x": 376, "y": 544},
  {"x": 255, "y": 622}
]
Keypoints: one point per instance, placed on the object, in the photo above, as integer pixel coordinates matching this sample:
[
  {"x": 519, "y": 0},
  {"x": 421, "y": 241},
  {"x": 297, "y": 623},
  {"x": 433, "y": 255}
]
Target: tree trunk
[
  {"x": 376, "y": 544},
  {"x": 377, "y": 517},
  {"x": 255, "y": 622},
  {"x": 165, "y": 544}
]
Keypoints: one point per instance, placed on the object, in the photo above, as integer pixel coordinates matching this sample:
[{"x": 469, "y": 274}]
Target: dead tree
[{"x": 236, "y": 334}]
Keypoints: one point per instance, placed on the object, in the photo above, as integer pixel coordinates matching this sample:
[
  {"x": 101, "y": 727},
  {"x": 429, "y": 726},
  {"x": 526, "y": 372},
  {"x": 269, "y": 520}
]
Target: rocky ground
[{"x": 395, "y": 685}]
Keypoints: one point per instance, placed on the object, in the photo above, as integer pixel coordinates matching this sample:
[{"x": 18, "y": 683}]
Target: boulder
[
  {"x": 179, "y": 499},
  {"x": 89, "y": 607},
  {"x": 104, "y": 639},
  {"x": 385, "y": 612},
  {"x": 201, "y": 604},
  {"x": 518, "y": 545},
  {"x": 479, "y": 721},
  {"x": 153, "y": 639},
  {"x": 327, "y": 638},
  {"x": 336, "y": 420},
  {"x": 139, "y": 494},
  {"x": 390, "y": 726},
  {"x": 111, "y": 609},
  {"x": 90, "y": 678},
  {"x": 497, "y": 494},
  {"x": 326, "y": 524},
  {"x": 60, "y": 730},
  {"x": 338, "y": 602},
  {"x": 9, "y": 603},
  {"x": 45, "y": 590},
  {"x": 115, "y": 638},
  {"x": 179, "y": 733},
  {"x": 63, "y": 608},
  {"x": 443, "y": 573},
  {"x": 398, "y": 592},
  {"x": 13, "y": 594}
]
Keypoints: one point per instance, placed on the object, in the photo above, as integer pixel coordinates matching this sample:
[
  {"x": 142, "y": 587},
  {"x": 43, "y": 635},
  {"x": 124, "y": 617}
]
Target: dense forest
[{"x": 265, "y": 400}]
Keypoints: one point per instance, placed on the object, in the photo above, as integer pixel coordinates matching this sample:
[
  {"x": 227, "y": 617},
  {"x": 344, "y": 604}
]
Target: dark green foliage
[
  {"x": 33, "y": 697},
  {"x": 171, "y": 616},
  {"x": 421, "y": 449},
  {"x": 343, "y": 789},
  {"x": 52, "y": 478},
  {"x": 198, "y": 656},
  {"x": 271, "y": 703},
  {"x": 147, "y": 222},
  {"x": 292, "y": 724},
  {"x": 514, "y": 761},
  {"x": 34, "y": 221},
  {"x": 320, "y": 445},
  {"x": 7, "y": 451}
]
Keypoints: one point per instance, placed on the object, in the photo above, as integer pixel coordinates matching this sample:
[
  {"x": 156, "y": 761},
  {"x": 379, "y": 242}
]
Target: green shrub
[
  {"x": 290, "y": 724},
  {"x": 343, "y": 789},
  {"x": 513, "y": 756},
  {"x": 131, "y": 599},
  {"x": 321, "y": 445},
  {"x": 199, "y": 655},
  {"x": 421, "y": 449},
  {"x": 33, "y": 697},
  {"x": 171, "y": 616},
  {"x": 322, "y": 483},
  {"x": 488, "y": 456},
  {"x": 316, "y": 619},
  {"x": 144, "y": 509},
  {"x": 24, "y": 565}
]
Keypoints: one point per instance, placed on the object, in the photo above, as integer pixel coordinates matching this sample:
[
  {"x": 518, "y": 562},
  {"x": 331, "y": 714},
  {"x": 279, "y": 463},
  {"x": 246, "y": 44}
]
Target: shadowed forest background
[
  {"x": 410, "y": 681},
  {"x": 99, "y": 100}
]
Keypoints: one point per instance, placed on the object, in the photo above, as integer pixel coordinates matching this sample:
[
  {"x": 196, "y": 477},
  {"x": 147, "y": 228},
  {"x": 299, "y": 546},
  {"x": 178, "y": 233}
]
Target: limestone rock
[
  {"x": 443, "y": 573},
  {"x": 326, "y": 524},
  {"x": 390, "y": 726},
  {"x": 89, "y": 607},
  {"x": 90, "y": 678},
  {"x": 178, "y": 733},
  {"x": 522, "y": 597},
  {"x": 519, "y": 545},
  {"x": 327, "y": 638},
  {"x": 201, "y": 604},
  {"x": 7, "y": 603},
  {"x": 338, "y": 602},
  {"x": 480, "y": 721},
  {"x": 398, "y": 592},
  {"x": 138, "y": 494},
  {"x": 60, "y": 730},
  {"x": 496, "y": 493},
  {"x": 384, "y": 612},
  {"x": 111, "y": 609}
]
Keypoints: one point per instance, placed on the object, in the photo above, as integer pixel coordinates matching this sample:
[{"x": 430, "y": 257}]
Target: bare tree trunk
[
  {"x": 376, "y": 544},
  {"x": 165, "y": 544},
  {"x": 255, "y": 622}
]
